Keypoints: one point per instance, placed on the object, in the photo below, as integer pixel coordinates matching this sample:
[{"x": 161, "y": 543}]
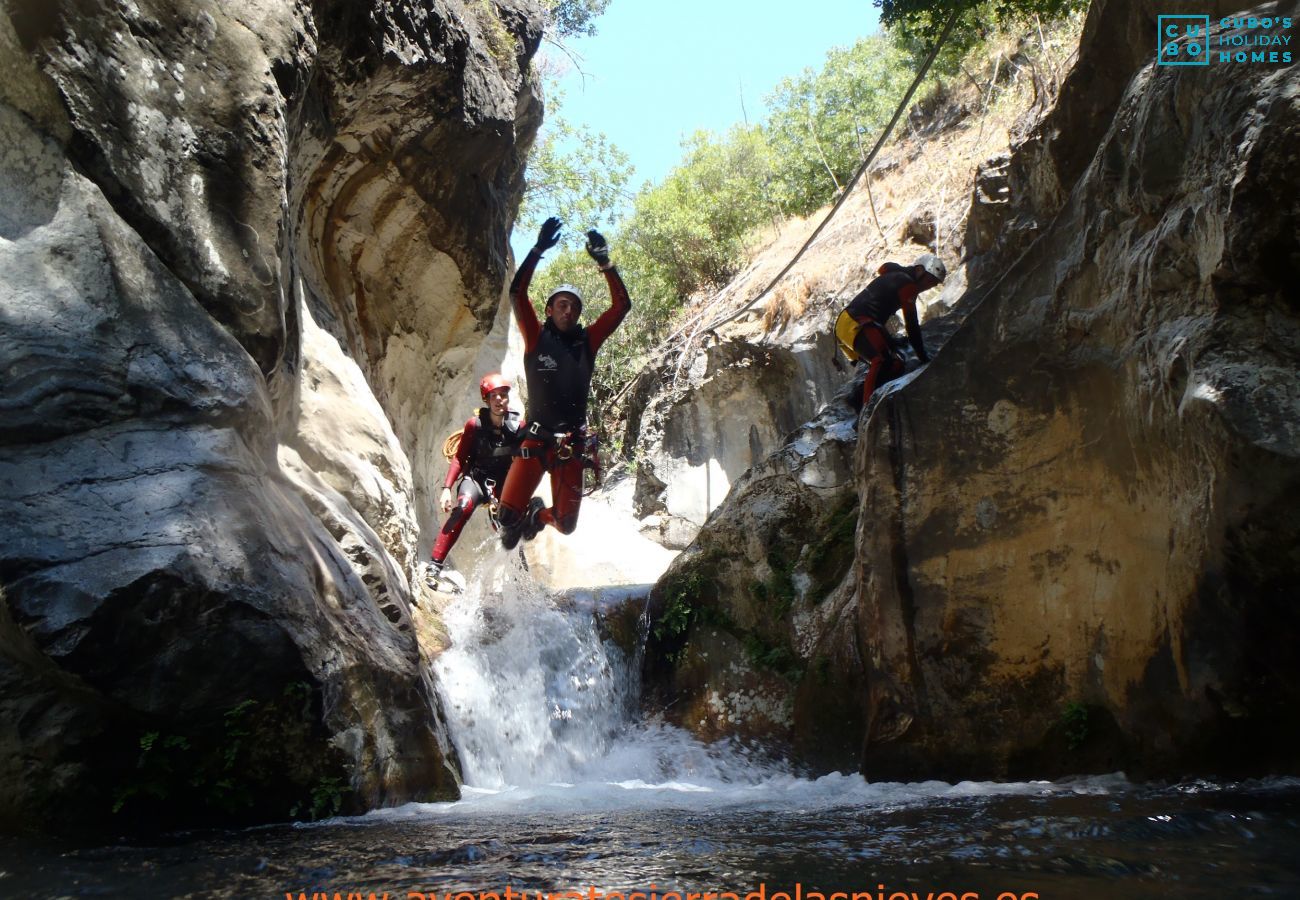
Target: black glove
[
  {"x": 549, "y": 234},
  {"x": 597, "y": 249}
]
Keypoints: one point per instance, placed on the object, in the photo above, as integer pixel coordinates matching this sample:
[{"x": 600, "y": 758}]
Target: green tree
[
  {"x": 694, "y": 225},
  {"x": 917, "y": 23},
  {"x": 576, "y": 174},
  {"x": 573, "y": 171},
  {"x": 821, "y": 124},
  {"x": 568, "y": 18}
]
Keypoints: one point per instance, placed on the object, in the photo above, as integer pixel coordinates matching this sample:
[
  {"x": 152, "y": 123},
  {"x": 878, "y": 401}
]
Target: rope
[
  {"x": 916, "y": 82},
  {"x": 452, "y": 444}
]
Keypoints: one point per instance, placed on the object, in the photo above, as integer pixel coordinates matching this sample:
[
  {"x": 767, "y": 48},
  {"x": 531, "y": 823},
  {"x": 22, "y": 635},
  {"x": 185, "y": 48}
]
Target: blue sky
[{"x": 657, "y": 70}]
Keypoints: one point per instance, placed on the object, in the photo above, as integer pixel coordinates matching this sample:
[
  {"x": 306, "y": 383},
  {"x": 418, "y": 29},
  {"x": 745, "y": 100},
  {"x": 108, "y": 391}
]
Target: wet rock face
[
  {"x": 229, "y": 229},
  {"x": 1087, "y": 502},
  {"x": 754, "y": 624},
  {"x": 1075, "y": 532}
]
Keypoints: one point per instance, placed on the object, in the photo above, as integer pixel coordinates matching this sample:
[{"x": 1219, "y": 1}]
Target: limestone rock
[
  {"x": 753, "y": 622},
  {"x": 1052, "y": 151},
  {"x": 738, "y": 403},
  {"x": 1076, "y": 527},
  {"x": 242, "y": 242},
  {"x": 1091, "y": 493}
]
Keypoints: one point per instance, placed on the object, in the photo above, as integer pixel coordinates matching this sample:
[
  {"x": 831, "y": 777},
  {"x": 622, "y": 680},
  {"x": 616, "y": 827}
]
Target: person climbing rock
[
  {"x": 559, "y": 357},
  {"x": 482, "y": 460},
  {"x": 860, "y": 328}
]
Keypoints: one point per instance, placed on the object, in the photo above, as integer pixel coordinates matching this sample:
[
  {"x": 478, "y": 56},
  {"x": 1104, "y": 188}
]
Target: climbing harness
[
  {"x": 493, "y": 504},
  {"x": 559, "y": 447}
]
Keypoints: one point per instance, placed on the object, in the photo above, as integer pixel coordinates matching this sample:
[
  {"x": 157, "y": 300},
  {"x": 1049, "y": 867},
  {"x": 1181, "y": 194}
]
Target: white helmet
[
  {"x": 568, "y": 289},
  {"x": 932, "y": 264}
]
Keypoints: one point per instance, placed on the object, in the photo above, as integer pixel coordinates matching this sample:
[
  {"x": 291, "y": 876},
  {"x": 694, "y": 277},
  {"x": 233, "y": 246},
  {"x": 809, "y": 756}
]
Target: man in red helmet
[
  {"x": 860, "y": 328},
  {"x": 559, "y": 357},
  {"x": 481, "y": 462}
]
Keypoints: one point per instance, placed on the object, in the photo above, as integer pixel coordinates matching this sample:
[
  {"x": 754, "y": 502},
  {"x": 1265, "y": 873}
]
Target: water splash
[
  {"x": 535, "y": 697},
  {"x": 544, "y": 716}
]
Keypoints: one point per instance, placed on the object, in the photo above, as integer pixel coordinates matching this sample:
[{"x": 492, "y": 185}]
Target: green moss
[
  {"x": 822, "y": 670},
  {"x": 325, "y": 800},
  {"x": 773, "y": 657},
  {"x": 256, "y": 759},
  {"x": 686, "y": 593},
  {"x": 833, "y": 552},
  {"x": 687, "y": 597},
  {"x": 500, "y": 42},
  {"x": 1074, "y": 721},
  {"x": 777, "y": 592}
]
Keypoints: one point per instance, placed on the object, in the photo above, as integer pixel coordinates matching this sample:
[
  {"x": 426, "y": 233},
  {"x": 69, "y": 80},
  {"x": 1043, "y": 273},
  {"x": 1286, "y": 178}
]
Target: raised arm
[
  {"x": 547, "y": 237},
  {"x": 620, "y": 304}
]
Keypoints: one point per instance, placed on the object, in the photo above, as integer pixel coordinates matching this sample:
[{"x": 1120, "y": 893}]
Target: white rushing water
[{"x": 544, "y": 717}]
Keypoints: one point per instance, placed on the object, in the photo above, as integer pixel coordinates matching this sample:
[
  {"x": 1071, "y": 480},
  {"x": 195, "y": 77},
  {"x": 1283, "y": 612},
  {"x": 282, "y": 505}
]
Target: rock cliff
[
  {"x": 242, "y": 243},
  {"x": 1075, "y": 529}
]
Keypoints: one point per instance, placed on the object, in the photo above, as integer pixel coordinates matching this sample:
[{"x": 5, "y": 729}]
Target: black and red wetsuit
[
  {"x": 893, "y": 289},
  {"x": 558, "y": 367},
  {"x": 481, "y": 463}
]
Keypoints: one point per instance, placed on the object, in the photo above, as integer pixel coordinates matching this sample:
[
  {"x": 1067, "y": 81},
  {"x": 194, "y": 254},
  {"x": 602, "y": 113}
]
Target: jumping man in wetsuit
[
  {"x": 895, "y": 287},
  {"x": 481, "y": 463},
  {"x": 559, "y": 356}
]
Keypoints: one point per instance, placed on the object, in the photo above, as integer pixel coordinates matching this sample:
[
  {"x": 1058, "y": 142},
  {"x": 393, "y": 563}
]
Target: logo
[
  {"x": 1185, "y": 40},
  {"x": 547, "y": 363}
]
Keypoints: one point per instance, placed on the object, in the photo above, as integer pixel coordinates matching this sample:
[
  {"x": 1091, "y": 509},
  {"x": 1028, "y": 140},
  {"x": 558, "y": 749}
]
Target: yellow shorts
[{"x": 846, "y": 332}]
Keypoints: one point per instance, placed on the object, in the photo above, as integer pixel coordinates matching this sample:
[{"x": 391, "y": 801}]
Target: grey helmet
[
  {"x": 932, "y": 264},
  {"x": 572, "y": 289}
]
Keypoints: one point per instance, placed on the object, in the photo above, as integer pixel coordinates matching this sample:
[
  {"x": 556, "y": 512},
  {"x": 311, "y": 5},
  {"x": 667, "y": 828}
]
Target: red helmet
[{"x": 491, "y": 382}]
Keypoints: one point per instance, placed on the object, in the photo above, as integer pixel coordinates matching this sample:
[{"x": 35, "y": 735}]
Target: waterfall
[
  {"x": 535, "y": 697},
  {"x": 545, "y": 717}
]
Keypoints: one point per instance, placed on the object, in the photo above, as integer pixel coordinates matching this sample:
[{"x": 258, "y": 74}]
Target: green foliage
[
  {"x": 501, "y": 43},
  {"x": 916, "y": 24},
  {"x": 682, "y": 594},
  {"x": 156, "y": 768},
  {"x": 1074, "y": 720},
  {"x": 778, "y": 590},
  {"x": 567, "y": 18},
  {"x": 822, "y": 124},
  {"x": 224, "y": 767},
  {"x": 694, "y": 224},
  {"x": 574, "y": 173},
  {"x": 773, "y": 657},
  {"x": 325, "y": 800}
]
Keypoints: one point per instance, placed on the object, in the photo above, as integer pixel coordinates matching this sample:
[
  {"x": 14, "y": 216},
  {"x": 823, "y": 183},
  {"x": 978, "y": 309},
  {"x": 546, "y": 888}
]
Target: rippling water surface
[
  {"x": 572, "y": 792},
  {"x": 1096, "y": 838}
]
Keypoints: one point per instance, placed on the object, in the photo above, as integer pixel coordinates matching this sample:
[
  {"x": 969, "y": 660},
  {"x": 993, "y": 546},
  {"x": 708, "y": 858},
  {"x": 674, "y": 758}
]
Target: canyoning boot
[
  {"x": 510, "y": 534},
  {"x": 439, "y": 578},
  {"x": 533, "y": 524},
  {"x": 432, "y": 572}
]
